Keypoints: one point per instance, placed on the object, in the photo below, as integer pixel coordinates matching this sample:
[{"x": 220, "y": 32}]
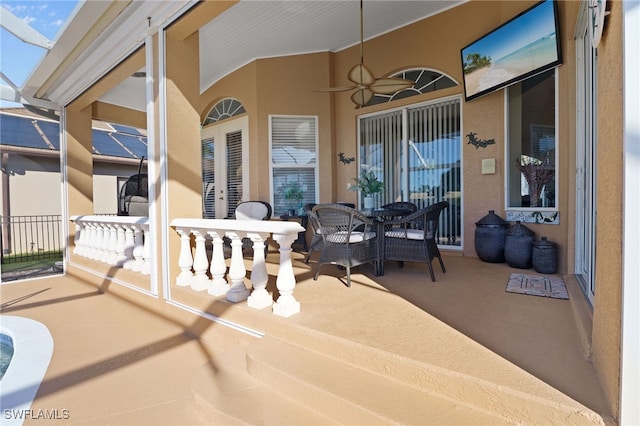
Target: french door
[
  {"x": 585, "y": 162},
  {"x": 224, "y": 168}
]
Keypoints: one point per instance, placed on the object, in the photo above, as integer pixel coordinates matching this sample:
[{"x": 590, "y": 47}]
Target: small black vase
[{"x": 545, "y": 258}]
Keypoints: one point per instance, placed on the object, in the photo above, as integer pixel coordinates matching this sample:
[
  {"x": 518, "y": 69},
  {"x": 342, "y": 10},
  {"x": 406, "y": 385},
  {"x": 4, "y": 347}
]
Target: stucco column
[
  {"x": 79, "y": 163},
  {"x": 183, "y": 162}
]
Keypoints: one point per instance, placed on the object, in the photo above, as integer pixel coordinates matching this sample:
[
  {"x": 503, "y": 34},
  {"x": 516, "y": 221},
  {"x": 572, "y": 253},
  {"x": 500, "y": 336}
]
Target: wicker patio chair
[
  {"x": 316, "y": 238},
  {"x": 348, "y": 238},
  {"x": 412, "y": 238},
  {"x": 400, "y": 206},
  {"x": 253, "y": 210},
  {"x": 250, "y": 210}
]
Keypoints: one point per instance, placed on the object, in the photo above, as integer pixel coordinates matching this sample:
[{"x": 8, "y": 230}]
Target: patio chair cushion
[
  {"x": 354, "y": 237},
  {"x": 411, "y": 234},
  {"x": 253, "y": 210}
]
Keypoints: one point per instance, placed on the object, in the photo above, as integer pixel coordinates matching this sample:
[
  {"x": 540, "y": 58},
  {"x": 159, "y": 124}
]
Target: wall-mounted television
[{"x": 524, "y": 46}]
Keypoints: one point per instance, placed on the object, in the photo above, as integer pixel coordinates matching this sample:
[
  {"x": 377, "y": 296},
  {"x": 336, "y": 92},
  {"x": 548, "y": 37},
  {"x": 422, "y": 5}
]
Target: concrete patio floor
[{"x": 115, "y": 362}]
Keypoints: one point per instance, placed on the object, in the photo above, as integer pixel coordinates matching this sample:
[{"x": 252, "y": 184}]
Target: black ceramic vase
[
  {"x": 489, "y": 239},
  {"x": 518, "y": 244}
]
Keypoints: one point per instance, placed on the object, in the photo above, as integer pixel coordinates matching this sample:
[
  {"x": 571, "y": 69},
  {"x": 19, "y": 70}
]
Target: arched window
[
  {"x": 223, "y": 110},
  {"x": 425, "y": 81}
]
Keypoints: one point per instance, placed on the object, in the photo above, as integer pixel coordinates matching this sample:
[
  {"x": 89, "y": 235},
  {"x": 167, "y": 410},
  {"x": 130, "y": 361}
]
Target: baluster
[
  {"x": 146, "y": 251},
  {"x": 286, "y": 305},
  {"x": 106, "y": 241},
  {"x": 112, "y": 248},
  {"x": 200, "y": 262},
  {"x": 91, "y": 240},
  {"x": 120, "y": 256},
  {"x": 77, "y": 238},
  {"x": 260, "y": 297},
  {"x": 138, "y": 249},
  {"x": 97, "y": 243},
  {"x": 128, "y": 247},
  {"x": 238, "y": 291},
  {"x": 219, "y": 285},
  {"x": 103, "y": 255},
  {"x": 185, "y": 261}
]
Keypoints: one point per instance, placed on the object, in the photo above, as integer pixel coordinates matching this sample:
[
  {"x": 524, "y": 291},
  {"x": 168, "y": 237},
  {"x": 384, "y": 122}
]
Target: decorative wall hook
[
  {"x": 344, "y": 159},
  {"x": 479, "y": 143}
]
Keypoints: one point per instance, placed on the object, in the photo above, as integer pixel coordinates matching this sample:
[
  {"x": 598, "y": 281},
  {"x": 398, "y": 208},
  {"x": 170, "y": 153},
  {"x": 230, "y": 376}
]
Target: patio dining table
[{"x": 380, "y": 215}]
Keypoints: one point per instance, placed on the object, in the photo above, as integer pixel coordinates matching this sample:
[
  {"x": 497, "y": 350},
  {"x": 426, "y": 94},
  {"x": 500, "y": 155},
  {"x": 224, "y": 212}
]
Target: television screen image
[{"x": 522, "y": 47}]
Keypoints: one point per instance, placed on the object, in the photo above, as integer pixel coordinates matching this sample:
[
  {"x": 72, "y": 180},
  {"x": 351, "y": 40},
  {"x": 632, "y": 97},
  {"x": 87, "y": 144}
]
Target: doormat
[{"x": 538, "y": 285}]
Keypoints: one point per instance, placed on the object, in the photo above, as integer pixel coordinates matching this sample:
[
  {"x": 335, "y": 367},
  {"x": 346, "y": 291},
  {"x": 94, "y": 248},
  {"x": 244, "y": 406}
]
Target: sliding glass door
[{"x": 416, "y": 152}]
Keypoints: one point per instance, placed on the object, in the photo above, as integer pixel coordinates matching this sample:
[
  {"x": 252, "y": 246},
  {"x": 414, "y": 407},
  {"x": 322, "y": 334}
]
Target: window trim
[{"x": 547, "y": 215}]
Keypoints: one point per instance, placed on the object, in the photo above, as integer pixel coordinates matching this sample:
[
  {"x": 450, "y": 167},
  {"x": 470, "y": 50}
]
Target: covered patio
[{"x": 391, "y": 349}]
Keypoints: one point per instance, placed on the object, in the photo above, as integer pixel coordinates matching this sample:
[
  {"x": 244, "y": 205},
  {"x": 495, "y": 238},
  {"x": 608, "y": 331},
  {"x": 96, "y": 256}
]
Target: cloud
[
  {"x": 29, "y": 19},
  {"x": 14, "y": 9},
  {"x": 57, "y": 22}
]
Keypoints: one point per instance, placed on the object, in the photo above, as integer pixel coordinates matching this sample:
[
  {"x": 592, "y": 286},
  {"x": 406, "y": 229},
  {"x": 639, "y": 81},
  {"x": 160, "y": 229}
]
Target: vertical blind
[
  {"x": 234, "y": 170},
  {"x": 293, "y": 160},
  {"x": 208, "y": 179},
  {"x": 416, "y": 152}
]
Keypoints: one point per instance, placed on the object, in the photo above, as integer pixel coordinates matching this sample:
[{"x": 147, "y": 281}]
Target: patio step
[
  {"x": 270, "y": 381},
  {"x": 258, "y": 386},
  {"x": 225, "y": 393},
  {"x": 353, "y": 395}
]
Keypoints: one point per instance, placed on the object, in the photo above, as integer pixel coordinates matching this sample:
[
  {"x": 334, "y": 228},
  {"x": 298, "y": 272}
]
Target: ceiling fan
[{"x": 365, "y": 83}]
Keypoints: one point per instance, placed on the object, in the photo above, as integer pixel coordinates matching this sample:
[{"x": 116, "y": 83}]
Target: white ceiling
[{"x": 255, "y": 29}]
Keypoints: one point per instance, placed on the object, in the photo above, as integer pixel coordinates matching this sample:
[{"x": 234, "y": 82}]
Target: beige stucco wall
[
  {"x": 608, "y": 278},
  {"x": 279, "y": 86},
  {"x": 35, "y": 185}
]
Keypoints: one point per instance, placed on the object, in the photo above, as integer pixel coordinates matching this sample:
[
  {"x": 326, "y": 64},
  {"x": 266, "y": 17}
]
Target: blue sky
[
  {"x": 533, "y": 25},
  {"x": 17, "y": 59}
]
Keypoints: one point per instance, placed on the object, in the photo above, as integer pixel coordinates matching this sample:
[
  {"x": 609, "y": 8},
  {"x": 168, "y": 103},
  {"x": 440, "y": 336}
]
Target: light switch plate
[{"x": 488, "y": 166}]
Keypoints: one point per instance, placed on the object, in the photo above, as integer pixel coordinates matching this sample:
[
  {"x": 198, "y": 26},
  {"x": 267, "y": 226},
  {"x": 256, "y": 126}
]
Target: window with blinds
[
  {"x": 294, "y": 141},
  {"x": 416, "y": 152},
  {"x": 208, "y": 179}
]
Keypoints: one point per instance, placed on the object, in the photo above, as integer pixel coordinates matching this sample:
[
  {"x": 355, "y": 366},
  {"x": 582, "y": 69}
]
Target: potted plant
[
  {"x": 293, "y": 193},
  {"x": 369, "y": 185}
]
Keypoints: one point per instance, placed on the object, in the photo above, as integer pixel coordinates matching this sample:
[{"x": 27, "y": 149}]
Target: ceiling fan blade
[
  {"x": 335, "y": 89},
  {"x": 361, "y": 97},
  {"x": 361, "y": 75},
  {"x": 387, "y": 86}
]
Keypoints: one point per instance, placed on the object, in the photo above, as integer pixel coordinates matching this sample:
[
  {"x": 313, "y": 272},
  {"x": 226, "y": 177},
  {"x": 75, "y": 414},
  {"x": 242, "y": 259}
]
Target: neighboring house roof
[{"x": 21, "y": 128}]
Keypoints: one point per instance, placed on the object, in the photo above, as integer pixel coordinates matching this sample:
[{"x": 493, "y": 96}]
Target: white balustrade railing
[
  {"x": 194, "y": 264},
  {"x": 121, "y": 241}
]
